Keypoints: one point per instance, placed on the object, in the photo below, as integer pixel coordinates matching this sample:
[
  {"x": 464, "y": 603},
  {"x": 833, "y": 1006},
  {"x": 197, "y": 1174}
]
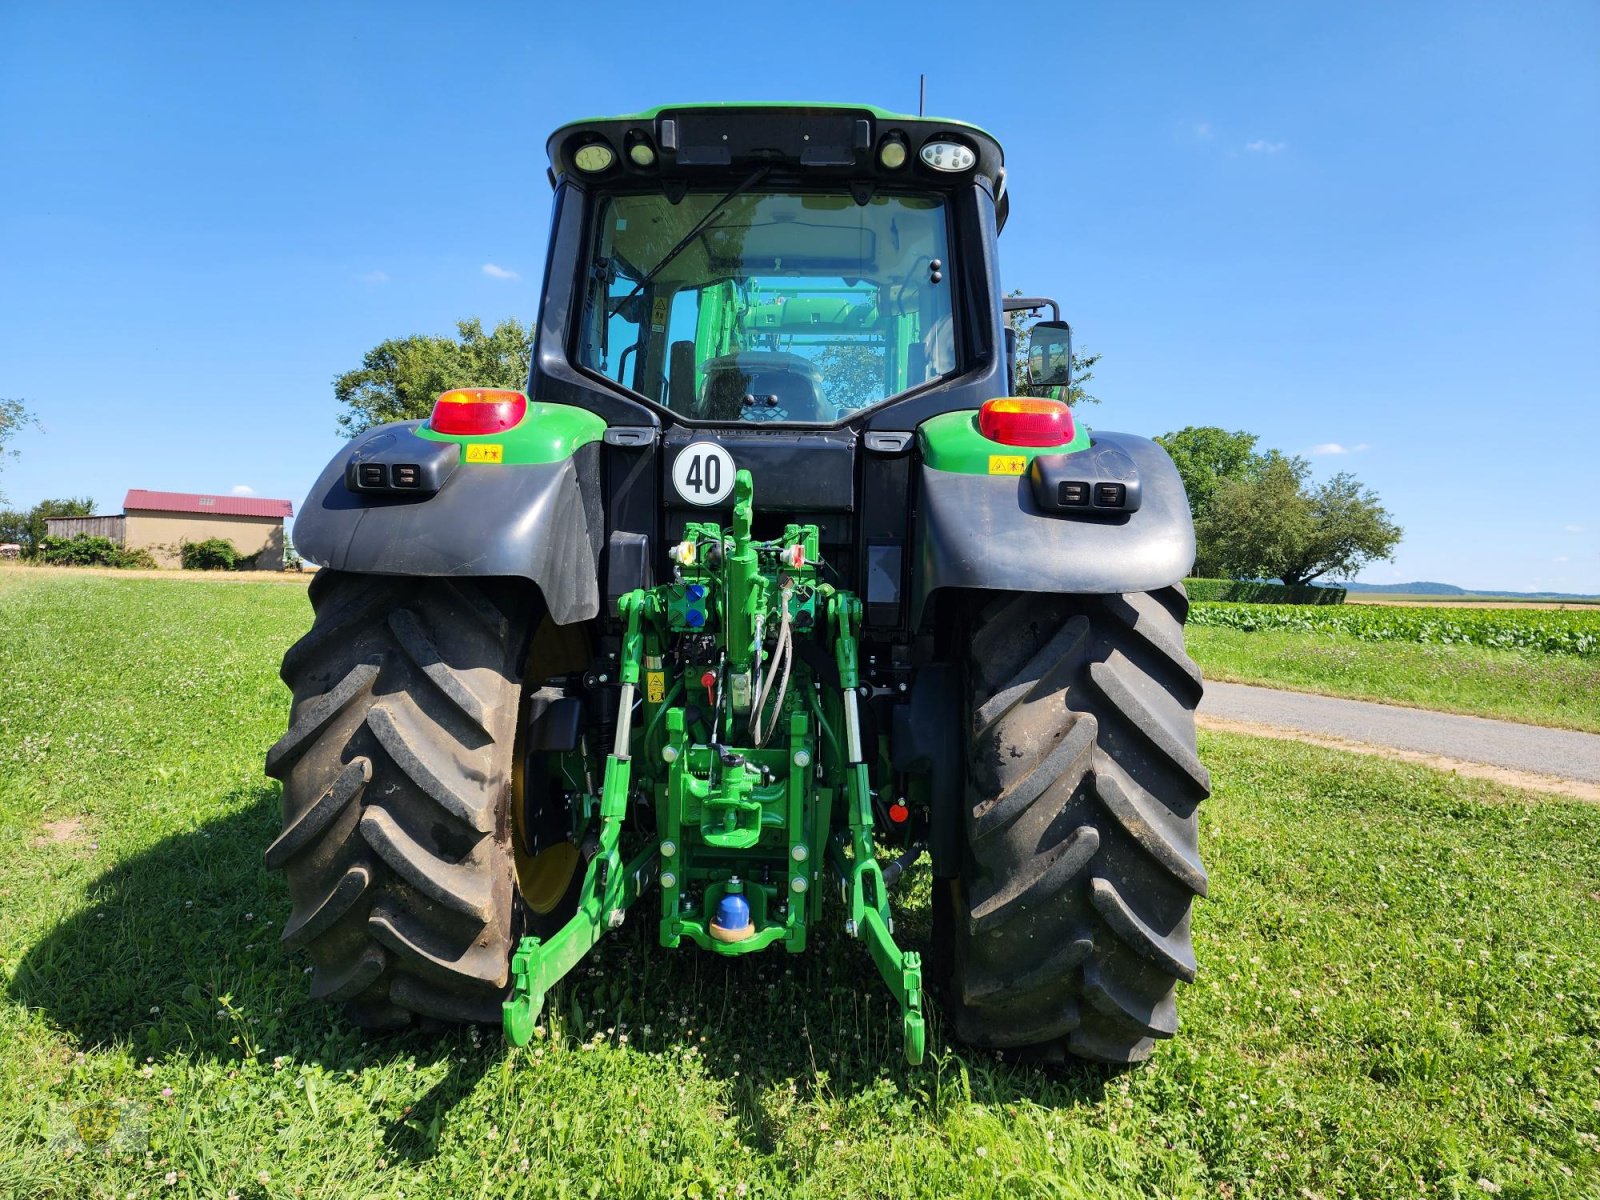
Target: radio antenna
[{"x": 922, "y": 95}]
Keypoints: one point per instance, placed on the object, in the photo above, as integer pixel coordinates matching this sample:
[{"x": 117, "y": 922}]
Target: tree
[
  {"x": 1270, "y": 523},
  {"x": 1205, "y": 455},
  {"x": 852, "y": 374},
  {"x": 14, "y": 417},
  {"x": 399, "y": 379},
  {"x": 27, "y": 529}
]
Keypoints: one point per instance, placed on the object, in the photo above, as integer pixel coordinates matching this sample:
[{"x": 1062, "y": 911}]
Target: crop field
[
  {"x": 1543, "y": 631},
  {"x": 1399, "y": 990},
  {"x": 1531, "y": 665}
]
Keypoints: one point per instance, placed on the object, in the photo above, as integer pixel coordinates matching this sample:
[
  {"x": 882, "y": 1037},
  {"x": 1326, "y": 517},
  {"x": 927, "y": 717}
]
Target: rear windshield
[{"x": 785, "y": 307}]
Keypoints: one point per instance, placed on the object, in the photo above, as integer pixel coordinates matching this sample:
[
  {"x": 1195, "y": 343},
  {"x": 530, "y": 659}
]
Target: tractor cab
[
  {"x": 803, "y": 267},
  {"x": 789, "y": 290}
]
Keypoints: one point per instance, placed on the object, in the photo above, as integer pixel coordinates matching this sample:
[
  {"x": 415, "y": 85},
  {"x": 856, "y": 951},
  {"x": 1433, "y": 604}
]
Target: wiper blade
[{"x": 700, "y": 226}]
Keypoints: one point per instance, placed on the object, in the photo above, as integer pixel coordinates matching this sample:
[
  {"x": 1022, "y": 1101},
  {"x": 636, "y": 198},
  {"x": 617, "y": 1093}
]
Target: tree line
[{"x": 1259, "y": 514}]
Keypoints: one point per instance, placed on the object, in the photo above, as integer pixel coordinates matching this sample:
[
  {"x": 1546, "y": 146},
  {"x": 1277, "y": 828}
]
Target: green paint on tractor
[
  {"x": 951, "y": 442},
  {"x": 881, "y": 114},
  {"x": 547, "y": 433}
]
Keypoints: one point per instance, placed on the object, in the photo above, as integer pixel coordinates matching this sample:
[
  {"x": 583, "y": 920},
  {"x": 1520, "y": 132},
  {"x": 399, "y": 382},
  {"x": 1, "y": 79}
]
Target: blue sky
[{"x": 1367, "y": 228}]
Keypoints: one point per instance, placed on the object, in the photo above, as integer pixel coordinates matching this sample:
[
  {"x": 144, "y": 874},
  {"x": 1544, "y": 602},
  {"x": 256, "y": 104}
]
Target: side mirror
[{"x": 1050, "y": 355}]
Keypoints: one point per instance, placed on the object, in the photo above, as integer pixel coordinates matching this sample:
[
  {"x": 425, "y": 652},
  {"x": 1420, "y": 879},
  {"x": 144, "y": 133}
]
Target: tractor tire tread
[
  {"x": 304, "y": 829},
  {"x": 1070, "y": 926},
  {"x": 396, "y": 774}
]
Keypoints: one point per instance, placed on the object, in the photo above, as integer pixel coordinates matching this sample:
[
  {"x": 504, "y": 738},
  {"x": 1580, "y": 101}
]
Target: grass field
[
  {"x": 1399, "y": 990},
  {"x": 1538, "y": 666},
  {"x": 1517, "y": 685}
]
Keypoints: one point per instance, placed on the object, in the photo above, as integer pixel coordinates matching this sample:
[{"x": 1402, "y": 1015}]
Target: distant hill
[
  {"x": 1427, "y": 588},
  {"x": 1409, "y": 589}
]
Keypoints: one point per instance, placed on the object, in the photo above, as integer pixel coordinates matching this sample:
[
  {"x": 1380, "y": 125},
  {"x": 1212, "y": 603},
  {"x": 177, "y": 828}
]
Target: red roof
[{"x": 187, "y": 502}]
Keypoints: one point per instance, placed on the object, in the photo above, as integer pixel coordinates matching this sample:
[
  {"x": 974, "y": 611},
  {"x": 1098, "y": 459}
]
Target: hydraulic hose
[{"x": 893, "y": 869}]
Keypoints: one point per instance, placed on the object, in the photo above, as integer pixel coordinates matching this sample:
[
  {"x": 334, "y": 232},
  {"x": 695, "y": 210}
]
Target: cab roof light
[
  {"x": 892, "y": 152},
  {"x": 1026, "y": 421},
  {"x": 477, "y": 411},
  {"x": 594, "y": 157},
  {"x": 948, "y": 156}
]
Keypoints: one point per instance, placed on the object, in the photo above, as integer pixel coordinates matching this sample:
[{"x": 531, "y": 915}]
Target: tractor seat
[{"x": 763, "y": 385}]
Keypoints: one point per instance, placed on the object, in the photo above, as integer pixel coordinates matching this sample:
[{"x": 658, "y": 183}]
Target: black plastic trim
[
  {"x": 989, "y": 532},
  {"x": 537, "y": 522},
  {"x": 1100, "y": 480},
  {"x": 397, "y": 461}
]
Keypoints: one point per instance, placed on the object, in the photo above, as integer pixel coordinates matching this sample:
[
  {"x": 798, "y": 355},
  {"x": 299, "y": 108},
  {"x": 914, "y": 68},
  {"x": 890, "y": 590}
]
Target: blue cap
[
  {"x": 694, "y": 618},
  {"x": 733, "y": 913}
]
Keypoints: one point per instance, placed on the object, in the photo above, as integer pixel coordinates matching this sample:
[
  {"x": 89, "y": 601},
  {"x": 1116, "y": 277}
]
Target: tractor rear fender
[
  {"x": 539, "y": 521},
  {"x": 1009, "y": 532}
]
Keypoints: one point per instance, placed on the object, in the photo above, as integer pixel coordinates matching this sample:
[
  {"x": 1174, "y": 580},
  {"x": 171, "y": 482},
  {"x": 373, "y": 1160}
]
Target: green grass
[
  {"x": 1517, "y": 685},
  {"x": 1398, "y": 991}
]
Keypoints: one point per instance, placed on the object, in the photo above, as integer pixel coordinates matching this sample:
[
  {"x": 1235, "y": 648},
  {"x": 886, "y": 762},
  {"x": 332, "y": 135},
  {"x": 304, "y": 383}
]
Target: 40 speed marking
[{"x": 703, "y": 473}]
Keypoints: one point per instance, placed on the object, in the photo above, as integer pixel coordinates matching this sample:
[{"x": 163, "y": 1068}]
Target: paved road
[{"x": 1532, "y": 748}]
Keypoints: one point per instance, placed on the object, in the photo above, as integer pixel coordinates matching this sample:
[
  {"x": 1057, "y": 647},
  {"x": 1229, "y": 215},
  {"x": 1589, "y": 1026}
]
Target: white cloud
[
  {"x": 1262, "y": 146},
  {"x": 494, "y": 272},
  {"x": 1202, "y": 130},
  {"x": 1560, "y": 558},
  {"x": 374, "y": 277},
  {"x": 243, "y": 489},
  {"x": 1573, "y": 528},
  {"x": 1338, "y": 448}
]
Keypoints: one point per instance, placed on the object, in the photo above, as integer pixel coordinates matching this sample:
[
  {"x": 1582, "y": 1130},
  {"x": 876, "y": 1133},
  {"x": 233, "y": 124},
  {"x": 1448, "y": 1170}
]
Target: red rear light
[
  {"x": 1026, "y": 421},
  {"x": 477, "y": 410}
]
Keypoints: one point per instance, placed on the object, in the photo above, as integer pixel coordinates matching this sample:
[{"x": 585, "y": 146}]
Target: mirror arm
[{"x": 1031, "y": 304}]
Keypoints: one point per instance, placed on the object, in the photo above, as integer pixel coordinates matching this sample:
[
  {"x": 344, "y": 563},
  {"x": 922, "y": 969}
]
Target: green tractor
[{"x": 769, "y": 585}]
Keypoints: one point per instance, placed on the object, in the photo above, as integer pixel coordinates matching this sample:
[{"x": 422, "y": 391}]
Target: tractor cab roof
[{"x": 674, "y": 144}]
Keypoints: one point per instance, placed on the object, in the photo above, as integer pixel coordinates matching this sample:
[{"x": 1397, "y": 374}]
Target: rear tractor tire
[
  {"x": 397, "y": 775},
  {"x": 1068, "y": 928}
]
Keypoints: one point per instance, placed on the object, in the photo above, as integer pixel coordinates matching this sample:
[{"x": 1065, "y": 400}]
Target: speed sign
[{"x": 703, "y": 473}]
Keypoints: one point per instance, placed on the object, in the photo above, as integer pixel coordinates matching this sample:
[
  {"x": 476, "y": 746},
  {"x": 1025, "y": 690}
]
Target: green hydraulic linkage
[
  {"x": 859, "y": 873},
  {"x": 608, "y": 887},
  {"x": 721, "y": 805}
]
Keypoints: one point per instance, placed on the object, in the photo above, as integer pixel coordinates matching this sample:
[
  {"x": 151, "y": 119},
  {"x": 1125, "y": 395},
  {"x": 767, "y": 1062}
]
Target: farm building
[{"x": 161, "y": 522}]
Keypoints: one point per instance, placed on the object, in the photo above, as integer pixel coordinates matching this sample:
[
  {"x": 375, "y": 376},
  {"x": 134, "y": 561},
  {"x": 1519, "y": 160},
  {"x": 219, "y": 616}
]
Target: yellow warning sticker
[
  {"x": 1007, "y": 464},
  {"x": 658, "y": 315},
  {"x": 486, "y": 452},
  {"x": 655, "y": 686}
]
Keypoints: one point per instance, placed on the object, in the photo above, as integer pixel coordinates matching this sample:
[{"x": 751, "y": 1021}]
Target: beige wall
[{"x": 162, "y": 533}]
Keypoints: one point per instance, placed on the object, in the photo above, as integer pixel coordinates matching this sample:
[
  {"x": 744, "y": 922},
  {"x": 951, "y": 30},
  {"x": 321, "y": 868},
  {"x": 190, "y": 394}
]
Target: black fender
[
  {"x": 540, "y": 522},
  {"x": 990, "y": 532}
]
